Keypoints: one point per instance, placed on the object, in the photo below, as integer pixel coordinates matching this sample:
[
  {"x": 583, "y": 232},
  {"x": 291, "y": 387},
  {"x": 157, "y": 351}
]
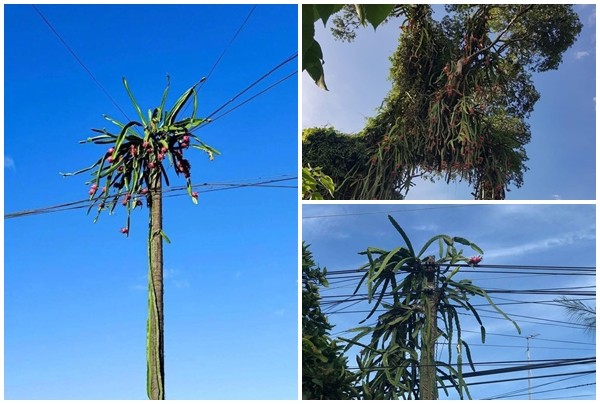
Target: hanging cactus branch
[
  {"x": 132, "y": 169},
  {"x": 413, "y": 289},
  {"x": 123, "y": 172}
]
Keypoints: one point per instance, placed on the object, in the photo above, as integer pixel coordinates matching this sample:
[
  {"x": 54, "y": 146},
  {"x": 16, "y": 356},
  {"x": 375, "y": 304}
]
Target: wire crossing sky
[{"x": 75, "y": 291}]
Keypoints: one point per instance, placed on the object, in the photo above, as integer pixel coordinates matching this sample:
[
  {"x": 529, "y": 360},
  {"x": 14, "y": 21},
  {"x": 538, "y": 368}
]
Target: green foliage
[
  {"x": 312, "y": 180},
  {"x": 346, "y": 22},
  {"x": 461, "y": 91},
  {"x": 580, "y": 313},
  {"x": 390, "y": 360},
  {"x": 133, "y": 169},
  {"x": 125, "y": 170},
  {"x": 325, "y": 374},
  {"x": 341, "y": 156},
  {"x": 312, "y": 55}
]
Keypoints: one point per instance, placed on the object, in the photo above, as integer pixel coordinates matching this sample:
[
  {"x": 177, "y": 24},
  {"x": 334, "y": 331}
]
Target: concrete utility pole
[
  {"x": 528, "y": 363},
  {"x": 156, "y": 352},
  {"x": 427, "y": 383}
]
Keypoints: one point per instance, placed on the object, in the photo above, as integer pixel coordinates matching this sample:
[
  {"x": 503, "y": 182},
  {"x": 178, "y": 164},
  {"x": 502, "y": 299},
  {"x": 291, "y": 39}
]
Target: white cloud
[
  {"x": 543, "y": 244},
  {"x": 279, "y": 312},
  {"x": 181, "y": 284},
  {"x": 427, "y": 227},
  {"x": 9, "y": 163},
  {"x": 314, "y": 227},
  {"x": 581, "y": 54}
]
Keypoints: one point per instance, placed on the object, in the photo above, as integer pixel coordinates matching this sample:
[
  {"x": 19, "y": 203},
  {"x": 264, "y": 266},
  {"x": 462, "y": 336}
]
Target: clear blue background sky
[
  {"x": 553, "y": 235},
  {"x": 562, "y": 149},
  {"x": 75, "y": 292}
]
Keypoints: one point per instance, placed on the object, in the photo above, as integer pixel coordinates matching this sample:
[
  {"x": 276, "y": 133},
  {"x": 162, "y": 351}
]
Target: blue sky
[
  {"x": 553, "y": 235},
  {"x": 561, "y": 153},
  {"x": 75, "y": 292}
]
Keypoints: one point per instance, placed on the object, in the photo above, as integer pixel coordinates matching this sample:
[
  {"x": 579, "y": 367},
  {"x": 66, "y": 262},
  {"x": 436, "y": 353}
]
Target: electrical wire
[
  {"x": 72, "y": 52},
  {"x": 548, "y": 391},
  {"x": 264, "y": 76},
  {"x": 524, "y": 364},
  {"x": 251, "y": 98},
  {"x": 201, "y": 82},
  {"x": 388, "y": 211},
  {"x": 585, "y": 372},
  {"x": 503, "y": 395},
  {"x": 86, "y": 203}
]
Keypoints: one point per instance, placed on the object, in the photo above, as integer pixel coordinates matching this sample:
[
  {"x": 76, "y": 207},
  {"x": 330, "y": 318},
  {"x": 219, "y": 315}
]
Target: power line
[
  {"x": 585, "y": 372},
  {"x": 388, "y": 211},
  {"x": 507, "y": 394},
  {"x": 227, "y": 47},
  {"x": 264, "y": 76},
  {"x": 526, "y": 365},
  {"x": 479, "y": 267},
  {"x": 537, "y": 338},
  {"x": 86, "y": 203},
  {"x": 79, "y": 61},
  {"x": 201, "y": 82},
  {"x": 551, "y": 390},
  {"x": 251, "y": 98}
]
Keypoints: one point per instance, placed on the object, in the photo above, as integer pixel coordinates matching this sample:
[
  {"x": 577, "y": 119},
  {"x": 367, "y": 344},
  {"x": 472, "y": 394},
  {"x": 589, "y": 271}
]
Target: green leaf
[
  {"x": 121, "y": 137},
  {"x": 324, "y": 11},
  {"x": 403, "y": 234},
  {"x": 309, "y": 16},
  {"x": 381, "y": 296},
  {"x": 82, "y": 170},
  {"x": 207, "y": 149},
  {"x": 502, "y": 313},
  {"x": 431, "y": 240},
  {"x": 164, "y": 236},
  {"x": 375, "y": 14},
  {"x": 172, "y": 114},
  {"x": 476, "y": 248},
  {"x": 461, "y": 240},
  {"x": 135, "y": 104},
  {"x": 163, "y": 101},
  {"x": 385, "y": 262},
  {"x": 312, "y": 62}
]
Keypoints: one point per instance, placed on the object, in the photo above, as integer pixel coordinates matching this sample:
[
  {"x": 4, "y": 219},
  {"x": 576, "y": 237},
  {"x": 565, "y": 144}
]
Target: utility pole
[
  {"x": 427, "y": 383},
  {"x": 155, "y": 333},
  {"x": 528, "y": 364}
]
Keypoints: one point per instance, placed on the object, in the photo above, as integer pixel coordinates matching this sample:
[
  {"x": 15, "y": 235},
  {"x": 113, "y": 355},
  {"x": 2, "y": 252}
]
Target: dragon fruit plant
[
  {"x": 126, "y": 170},
  {"x": 132, "y": 168}
]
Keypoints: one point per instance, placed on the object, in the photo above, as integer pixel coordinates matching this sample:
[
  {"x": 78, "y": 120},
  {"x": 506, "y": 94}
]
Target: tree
[
  {"x": 312, "y": 55},
  {"x": 580, "y": 313},
  {"x": 325, "y": 374},
  {"x": 399, "y": 358},
  {"x": 461, "y": 95},
  {"x": 132, "y": 169},
  {"x": 313, "y": 180}
]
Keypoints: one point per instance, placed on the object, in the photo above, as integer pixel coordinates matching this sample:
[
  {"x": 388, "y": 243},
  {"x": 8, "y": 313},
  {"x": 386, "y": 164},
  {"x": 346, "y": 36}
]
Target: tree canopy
[
  {"x": 462, "y": 91},
  {"x": 325, "y": 374}
]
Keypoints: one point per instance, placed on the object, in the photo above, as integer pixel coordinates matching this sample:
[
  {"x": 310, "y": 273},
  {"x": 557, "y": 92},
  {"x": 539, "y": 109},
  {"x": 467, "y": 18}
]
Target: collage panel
[
  {"x": 151, "y": 202},
  {"x": 448, "y": 301},
  {"x": 449, "y": 102},
  {"x": 433, "y": 103}
]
